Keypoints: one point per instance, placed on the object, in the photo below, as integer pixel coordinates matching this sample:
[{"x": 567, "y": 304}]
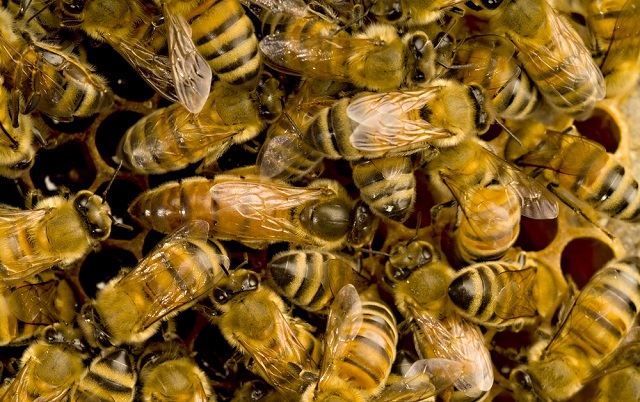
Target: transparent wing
[
  {"x": 515, "y": 300},
  {"x": 262, "y": 205},
  {"x": 297, "y": 8},
  {"x": 343, "y": 325},
  {"x": 384, "y": 124},
  {"x": 191, "y": 73},
  {"x": 623, "y": 49},
  {"x": 153, "y": 266},
  {"x": 15, "y": 221},
  {"x": 33, "y": 303},
  {"x": 282, "y": 154},
  {"x": 154, "y": 69},
  {"x": 425, "y": 378},
  {"x": 568, "y": 154}
]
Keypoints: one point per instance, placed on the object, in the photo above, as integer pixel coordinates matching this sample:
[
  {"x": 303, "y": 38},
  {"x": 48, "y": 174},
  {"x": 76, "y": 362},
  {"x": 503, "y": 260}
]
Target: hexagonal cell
[
  {"x": 77, "y": 125},
  {"x": 582, "y": 257},
  {"x": 102, "y": 266},
  {"x": 69, "y": 165},
  {"x": 12, "y": 194},
  {"x": 111, "y": 130},
  {"x": 536, "y": 234},
  {"x": 602, "y": 128},
  {"x": 119, "y": 196},
  {"x": 123, "y": 79}
]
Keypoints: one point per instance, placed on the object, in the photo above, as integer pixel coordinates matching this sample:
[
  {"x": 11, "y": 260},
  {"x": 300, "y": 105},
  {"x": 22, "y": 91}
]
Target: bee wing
[
  {"x": 32, "y": 303},
  {"x": 17, "y": 390},
  {"x": 519, "y": 284},
  {"x": 297, "y": 8},
  {"x": 457, "y": 340},
  {"x": 313, "y": 55},
  {"x": 564, "y": 153},
  {"x": 147, "y": 269},
  {"x": 191, "y": 73},
  {"x": 425, "y": 378},
  {"x": 627, "y": 26},
  {"x": 282, "y": 151},
  {"x": 260, "y": 203},
  {"x": 476, "y": 67},
  {"x": 154, "y": 69},
  {"x": 342, "y": 272},
  {"x": 627, "y": 354},
  {"x": 15, "y": 220},
  {"x": 383, "y": 124},
  {"x": 539, "y": 60},
  {"x": 343, "y": 325}
]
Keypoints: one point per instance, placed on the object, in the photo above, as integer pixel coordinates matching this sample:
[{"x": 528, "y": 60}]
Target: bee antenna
[
  {"x": 113, "y": 178},
  {"x": 14, "y": 143},
  {"x": 47, "y": 4},
  {"x": 418, "y": 222},
  {"x": 501, "y": 124},
  {"x": 114, "y": 222},
  {"x": 374, "y": 252},
  {"x": 293, "y": 124}
]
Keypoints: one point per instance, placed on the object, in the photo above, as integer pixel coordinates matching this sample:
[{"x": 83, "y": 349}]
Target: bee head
[
  {"x": 95, "y": 213},
  {"x": 363, "y": 225},
  {"x": 405, "y": 259},
  {"x": 239, "y": 282}
]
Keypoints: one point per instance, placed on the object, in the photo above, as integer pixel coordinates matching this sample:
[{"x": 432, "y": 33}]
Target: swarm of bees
[{"x": 280, "y": 200}]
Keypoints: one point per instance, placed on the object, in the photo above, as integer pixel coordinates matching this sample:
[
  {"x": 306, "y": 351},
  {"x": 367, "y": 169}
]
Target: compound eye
[
  {"x": 396, "y": 12},
  {"x": 251, "y": 283},
  {"x": 220, "y": 296},
  {"x": 74, "y": 6},
  {"x": 97, "y": 232},
  {"x": 491, "y": 4}
]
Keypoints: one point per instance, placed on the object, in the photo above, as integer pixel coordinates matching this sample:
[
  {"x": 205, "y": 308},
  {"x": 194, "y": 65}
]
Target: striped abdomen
[
  {"x": 387, "y": 185},
  {"x": 330, "y": 132},
  {"x": 111, "y": 377},
  {"x": 225, "y": 37}
]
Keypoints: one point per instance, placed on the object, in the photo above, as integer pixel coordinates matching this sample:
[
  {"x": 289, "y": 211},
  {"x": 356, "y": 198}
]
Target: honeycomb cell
[
  {"x": 536, "y": 234},
  {"x": 111, "y": 129},
  {"x": 601, "y": 127},
  {"x": 100, "y": 267},
  {"x": 77, "y": 125},
  {"x": 68, "y": 165},
  {"x": 11, "y": 193},
  {"x": 582, "y": 257},
  {"x": 120, "y": 195}
]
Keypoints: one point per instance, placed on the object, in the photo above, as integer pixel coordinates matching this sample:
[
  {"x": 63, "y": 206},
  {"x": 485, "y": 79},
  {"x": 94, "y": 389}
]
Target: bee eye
[
  {"x": 97, "y": 231},
  {"x": 220, "y": 296},
  {"x": 74, "y": 6},
  {"x": 251, "y": 283},
  {"x": 395, "y": 12},
  {"x": 491, "y": 4}
]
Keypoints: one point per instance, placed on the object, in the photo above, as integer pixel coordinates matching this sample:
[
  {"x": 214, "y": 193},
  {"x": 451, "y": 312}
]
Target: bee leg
[
  {"x": 34, "y": 97},
  {"x": 14, "y": 143},
  {"x": 33, "y": 198},
  {"x": 24, "y": 4},
  {"x": 14, "y": 107},
  {"x": 38, "y": 136},
  {"x": 575, "y": 208}
]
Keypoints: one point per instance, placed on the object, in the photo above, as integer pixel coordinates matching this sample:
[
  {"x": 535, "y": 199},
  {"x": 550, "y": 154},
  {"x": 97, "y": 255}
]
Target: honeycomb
[{"x": 79, "y": 155}]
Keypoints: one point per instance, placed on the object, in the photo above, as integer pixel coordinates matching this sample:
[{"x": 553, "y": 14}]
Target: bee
[
  {"x": 360, "y": 347},
  {"x": 171, "y": 138},
  {"x": 504, "y": 295},
  {"x": 254, "y": 320},
  {"x": 621, "y": 385},
  {"x": 28, "y": 307},
  {"x": 50, "y": 368},
  {"x": 387, "y": 185},
  {"x": 400, "y": 122},
  {"x": 17, "y": 151},
  {"x": 46, "y": 78},
  {"x": 168, "y": 373},
  {"x": 574, "y": 167},
  {"x": 409, "y": 13},
  {"x": 175, "y": 275},
  {"x": 311, "y": 278},
  {"x": 58, "y": 231},
  {"x": 488, "y": 197},
  {"x": 490, "y": 61},
  {"x": 377, "y": 59},
  {"x": 257, "y": 212},
  {"x": 415, "y": 272},
  {"x": 220, "y": 33},
  {"x": 111, "y": 376},
  {"x": 613, "y": 29},
  {"x": 453, "y": 338},
  {"x": 596, "y": 325},
  {"x": 550, "y": 52},
  {"x": 292, "y": 17}
]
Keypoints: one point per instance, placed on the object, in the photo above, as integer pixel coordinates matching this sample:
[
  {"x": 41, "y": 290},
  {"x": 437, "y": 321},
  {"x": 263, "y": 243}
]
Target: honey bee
[
  {"x": 50, "y": 368},
  {"x": 550, "y": 52},
  {"x": 110, "y": 377},
  {"x": 387, "y": 185},
  {"x": 292, "y": 17},
  {"x": 174, "y": 276},
  {"x": 377, "y": 59},
  {"x": 400, "y": 122},
  {"x": 168, "y": 373},
  {"x": 311, "y": 278},
  {"x": 360, "y": 347},
  {"x": 46, "y": 78},
  {"x": 416, "y": 274},
  {"x": 488, "y": 196},
  {"x": 574, "y": 167},
  {"x": 16, "y": 144},
  {"x": 621, "y": 385},
  {"x": 614, "y": 30},
  {"x": 254, "y": 320},
  {"x": 490, "y": 61},
  {"x": 409, "y": 13},
  {"x": 594, "y": 328},
  {"x": 58, "y": 231},
  {"x": 505, "y": 295},
  {"x": 31, "y": 305},
  {"x": 257, "y": 212},
  {"x": 171, "y": 138}
]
